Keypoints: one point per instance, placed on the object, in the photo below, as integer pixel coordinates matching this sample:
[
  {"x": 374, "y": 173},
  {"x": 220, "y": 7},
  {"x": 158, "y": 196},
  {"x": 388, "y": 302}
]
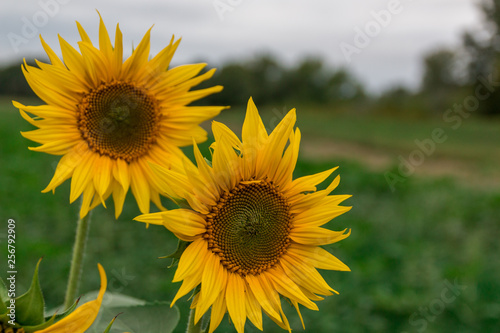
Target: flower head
[
  {"x": 29, "y": 314},
  {"x": 108, "y": 118},
  {"x": 255, "y": 232},
  {"x": 83, "y": 317}
]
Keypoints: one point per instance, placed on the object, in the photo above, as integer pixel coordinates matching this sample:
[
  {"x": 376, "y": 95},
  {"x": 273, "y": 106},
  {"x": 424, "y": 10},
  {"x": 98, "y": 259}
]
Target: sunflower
[
  {"x": 255, "y": 232},
  {"x": 109, "y": 118},
  {"x": 76, "y": 322},
  {"x": 83, "y": 317}
]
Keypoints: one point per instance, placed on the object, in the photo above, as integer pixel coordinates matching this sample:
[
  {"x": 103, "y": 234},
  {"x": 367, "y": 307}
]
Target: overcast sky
[{"x": 381, "y": 41}]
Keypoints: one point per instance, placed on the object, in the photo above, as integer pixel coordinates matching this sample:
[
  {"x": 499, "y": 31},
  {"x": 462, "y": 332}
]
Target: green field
[{"x": 407, "y": 248}]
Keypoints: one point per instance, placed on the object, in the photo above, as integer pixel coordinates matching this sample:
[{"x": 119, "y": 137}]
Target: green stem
[
  {"x": 75, "y": 272},
  {"x": 192, "y": 327}
]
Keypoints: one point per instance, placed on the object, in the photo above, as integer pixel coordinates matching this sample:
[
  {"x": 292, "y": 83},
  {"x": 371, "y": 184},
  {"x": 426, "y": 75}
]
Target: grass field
[{"x": 424, "y": 257}]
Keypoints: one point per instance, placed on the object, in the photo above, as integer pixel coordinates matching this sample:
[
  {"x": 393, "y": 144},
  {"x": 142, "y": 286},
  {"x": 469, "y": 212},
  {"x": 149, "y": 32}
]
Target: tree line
[{"x": 468, "y": 74}]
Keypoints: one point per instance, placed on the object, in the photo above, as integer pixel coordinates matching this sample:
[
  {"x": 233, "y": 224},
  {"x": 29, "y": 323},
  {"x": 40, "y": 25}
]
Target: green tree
[
  {"x": 343, "y": 86},
  {"x": 269, "y": 82},
  {"x": 483, "y": 50},
  {"x": 439, "y": 71},
  {"x": 13, "y": 83}
]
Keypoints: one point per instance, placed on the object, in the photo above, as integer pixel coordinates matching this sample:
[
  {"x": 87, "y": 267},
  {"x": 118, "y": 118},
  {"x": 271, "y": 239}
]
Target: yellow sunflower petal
[
  {"x": 296, "y": 305},
  {"x": 305, "y": 276},
  {"x": 176, "y": 184},
  {"x": 161, "y": 61},
  {"x": 139, "y": 186},
  {"x": 102, "y": 179},
  {"x": 307, "y": 183},
  {"x": 119, "y": 194},
  {"x": 151, "y": 218},
  {"x": 283, "y": 324},
  {"x": 218, "y": 311},
  {"x": 317, "y": 236},
  {"x": 285, "y": 286},
  {"x": 155, "y": 198},
  {"x": 179, "y": 74},
  {"x": 258, "y": 226},
  {"x": 184, "y": 223},
  {"x": 193, "y": 274},
  {"x": 66, "y": 167},
  {"x": 317, "y": 256},
  {"x": 104, "y": 42},
  {"x": 61, "y": 78},
  {"x": 83, "y": 34},
  {"x": 220, "y": 130},
  {"x": 205, "y": 171},
  {"x": 189, "y": 283},
  {"x": 235, "y": 301},
  {"x": 121, "y": 173},
  {"x": 254, "y": 135},
  {"x": 56, "y": 133},
  {"x": 204, "y": 190},
  {"x": 312, "y": 296},
  {"x": 83, "y": 317},
  {"x": 41, "y": 89},
  {"x": 190, "y": 260},
  {"x": 54, "y": 59},
  {"x": 268, "y": 161},
  {"x": 187, "y": 115},
  {"x": 126, "y": 114},
  {"x": 46, "y": 111},
  {"x": 253, "y": 309},
  {"x": 88, "y": 196},
  {"x": 51, "y": 84},
  {"x": 191, "y": 96},
  {"x": 303, "y": 201},
  {"x": 132, "y": 66},
  {"x": 117, "y": 58},
  {"x": 213, "y": 281},
  {"x": 82, "y": 175},
  {"x": 319, "y": 215},
  {"x": 188, "y": 84},
  {"x": 72, "y": 59},
  {"x": 284, "y": 171},
  {"x": 96, "y": 65},
  {"x": 265, "y": 294},
  {"x": 226, "y": 166}
]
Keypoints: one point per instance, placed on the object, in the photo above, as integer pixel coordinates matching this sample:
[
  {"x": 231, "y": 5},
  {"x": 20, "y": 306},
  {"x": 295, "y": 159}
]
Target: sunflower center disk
[
  {"x": 119, "y": 120},
  {"x": 249, "y": 228}
]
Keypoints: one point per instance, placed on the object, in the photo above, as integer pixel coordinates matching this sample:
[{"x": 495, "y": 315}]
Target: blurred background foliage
[
  {"x": 449, "y": 75},
  {"x": 436, "y": 227}
]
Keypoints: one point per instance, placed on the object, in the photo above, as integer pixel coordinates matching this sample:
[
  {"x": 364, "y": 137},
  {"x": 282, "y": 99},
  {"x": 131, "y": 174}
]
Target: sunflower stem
[
  {"x": 192, "y": 327},
  {"x": 75, "y": 272}
]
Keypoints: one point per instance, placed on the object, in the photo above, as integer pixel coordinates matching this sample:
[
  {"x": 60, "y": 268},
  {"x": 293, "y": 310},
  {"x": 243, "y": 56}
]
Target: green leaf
[
  {"x": 183, "y": 203},
  {"x": 113, "y": 300},
  {"x": 58, "y": 316},
  {"x": 181, "y": 246},
  {"x": 30, "y": 306},
  {"x": 110, "y": 324},
  {"x": 156, "y": 317},
  {"x": 4, "y": 297},
  {"x": 31, "y": 329}
]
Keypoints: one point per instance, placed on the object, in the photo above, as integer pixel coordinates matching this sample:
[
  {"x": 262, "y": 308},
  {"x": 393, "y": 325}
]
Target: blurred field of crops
[{"x": 408, "y": 247}]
